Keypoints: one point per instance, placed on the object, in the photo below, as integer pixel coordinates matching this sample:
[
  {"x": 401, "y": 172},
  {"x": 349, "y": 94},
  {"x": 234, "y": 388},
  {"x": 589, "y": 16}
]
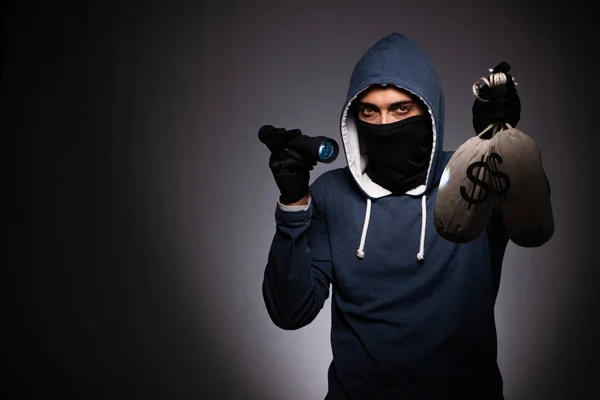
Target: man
[{"x": 412, "y": 313}]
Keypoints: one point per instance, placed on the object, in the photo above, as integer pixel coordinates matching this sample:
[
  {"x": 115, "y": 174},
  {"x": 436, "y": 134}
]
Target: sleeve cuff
[{"x": 294, "y": 208}]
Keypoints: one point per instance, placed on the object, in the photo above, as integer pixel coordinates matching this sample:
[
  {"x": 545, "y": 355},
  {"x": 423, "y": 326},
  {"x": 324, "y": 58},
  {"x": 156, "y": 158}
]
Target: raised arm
[{"x": 298, "y": 271}]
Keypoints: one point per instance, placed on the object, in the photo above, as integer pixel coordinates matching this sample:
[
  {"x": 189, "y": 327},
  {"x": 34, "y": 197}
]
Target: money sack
[
  {"x": 525, "y": 207},
  {"x": 465, "y": 198}
]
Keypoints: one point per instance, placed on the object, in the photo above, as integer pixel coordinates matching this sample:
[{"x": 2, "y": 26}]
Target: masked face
[
  {"x": 396, "y": 135},
  {"x": 398, "y": 153}
]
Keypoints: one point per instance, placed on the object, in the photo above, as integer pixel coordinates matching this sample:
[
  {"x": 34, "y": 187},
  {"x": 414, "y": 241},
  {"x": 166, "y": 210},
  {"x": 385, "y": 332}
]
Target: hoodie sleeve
[{"x": 298, "y": 271}]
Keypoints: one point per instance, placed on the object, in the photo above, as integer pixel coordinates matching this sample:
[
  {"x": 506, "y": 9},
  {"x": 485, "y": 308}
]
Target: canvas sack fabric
[
  {"x": 465, "y": 198},
  {"x": 525, "y": 205}
]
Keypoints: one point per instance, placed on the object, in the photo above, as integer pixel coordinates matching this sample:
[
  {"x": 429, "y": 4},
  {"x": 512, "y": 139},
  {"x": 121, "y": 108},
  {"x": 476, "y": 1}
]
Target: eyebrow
[{"x": 396, "y": 104}]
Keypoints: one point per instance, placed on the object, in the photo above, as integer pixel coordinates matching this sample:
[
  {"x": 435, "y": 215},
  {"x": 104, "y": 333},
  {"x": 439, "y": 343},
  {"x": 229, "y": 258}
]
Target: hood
[{"x": 399, "y": 61}]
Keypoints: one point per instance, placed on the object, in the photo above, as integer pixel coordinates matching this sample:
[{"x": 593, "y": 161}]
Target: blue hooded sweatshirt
[{"x": 412, "y": 314}]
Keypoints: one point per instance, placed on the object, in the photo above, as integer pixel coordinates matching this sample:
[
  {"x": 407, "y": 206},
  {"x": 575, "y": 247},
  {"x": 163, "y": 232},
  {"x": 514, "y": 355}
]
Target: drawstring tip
[
  {"x": 421, "y": 253},
  {"x": 360, "y": 252}
]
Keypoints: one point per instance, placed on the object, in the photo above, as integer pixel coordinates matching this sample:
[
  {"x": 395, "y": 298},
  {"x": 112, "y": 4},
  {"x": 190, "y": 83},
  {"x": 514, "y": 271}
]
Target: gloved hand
[
  {"x": 504, "y": 104},
  {"x": 290, "y": 170}
]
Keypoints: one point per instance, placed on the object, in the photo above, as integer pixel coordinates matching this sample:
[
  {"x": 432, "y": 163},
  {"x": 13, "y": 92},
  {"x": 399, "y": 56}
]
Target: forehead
[{"x": 385, "y": 94}]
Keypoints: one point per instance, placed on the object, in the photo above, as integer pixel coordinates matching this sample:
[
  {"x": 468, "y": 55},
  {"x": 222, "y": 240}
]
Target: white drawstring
[
  {"x": 421, "y": 253},
  {"x": 360, "y": 252}
]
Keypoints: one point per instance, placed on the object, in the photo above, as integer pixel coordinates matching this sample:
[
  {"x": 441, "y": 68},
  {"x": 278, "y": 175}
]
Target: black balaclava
[{"x": 398, "y": 153}]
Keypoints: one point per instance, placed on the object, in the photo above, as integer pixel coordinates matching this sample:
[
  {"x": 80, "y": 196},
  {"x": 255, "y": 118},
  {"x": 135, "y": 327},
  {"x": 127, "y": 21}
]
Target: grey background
[{"x": 143, "y": 203}]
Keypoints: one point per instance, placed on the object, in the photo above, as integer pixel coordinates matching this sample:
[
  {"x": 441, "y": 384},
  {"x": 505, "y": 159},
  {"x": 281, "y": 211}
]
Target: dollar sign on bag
[
  {"x": 484, "y": 188},
  {"x": 500, "y": 181}
]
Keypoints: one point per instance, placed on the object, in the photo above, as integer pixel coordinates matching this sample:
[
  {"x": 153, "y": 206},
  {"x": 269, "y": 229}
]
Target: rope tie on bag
[{"x": 494, "y": 80}]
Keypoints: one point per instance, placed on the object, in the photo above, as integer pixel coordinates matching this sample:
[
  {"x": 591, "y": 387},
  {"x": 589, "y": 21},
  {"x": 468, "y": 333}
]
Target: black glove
[
  {"x": 504, "y": 105},
  {"x": 290, "y": 170}
]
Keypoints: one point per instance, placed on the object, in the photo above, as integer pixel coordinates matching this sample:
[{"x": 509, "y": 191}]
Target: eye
[
  {"x": 367, "y": 110},
  {"x": 402, "y": 108}
]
